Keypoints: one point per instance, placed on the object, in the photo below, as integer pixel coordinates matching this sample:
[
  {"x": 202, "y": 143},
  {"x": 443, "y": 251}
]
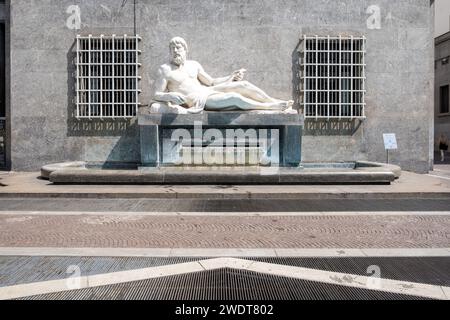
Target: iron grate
[
  {"x": 21, "y": 270},
  {"x": 107, "y": 77},
  {"x": 224, "y": 284}
]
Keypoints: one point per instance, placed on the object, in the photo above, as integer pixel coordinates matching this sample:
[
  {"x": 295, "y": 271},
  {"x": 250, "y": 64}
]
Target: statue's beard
[{"x": 179, "y": 60}]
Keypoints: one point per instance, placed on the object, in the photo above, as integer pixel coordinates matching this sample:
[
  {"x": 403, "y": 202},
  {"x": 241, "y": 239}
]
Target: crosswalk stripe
[
  {"x": 225, "y": 214},
  {"x": 220, "y": 252}
]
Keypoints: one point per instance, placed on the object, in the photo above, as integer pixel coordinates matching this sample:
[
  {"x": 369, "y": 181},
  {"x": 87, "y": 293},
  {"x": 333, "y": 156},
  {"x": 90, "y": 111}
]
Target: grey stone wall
[{"x": 259, "y": 35}]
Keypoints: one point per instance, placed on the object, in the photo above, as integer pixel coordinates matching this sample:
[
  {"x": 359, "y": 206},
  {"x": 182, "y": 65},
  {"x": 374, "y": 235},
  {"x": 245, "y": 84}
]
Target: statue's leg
[
  {"x": 225, "y": 101},
  {"x": 247, "y": 90},
  {"x": 163, "y": 107}
]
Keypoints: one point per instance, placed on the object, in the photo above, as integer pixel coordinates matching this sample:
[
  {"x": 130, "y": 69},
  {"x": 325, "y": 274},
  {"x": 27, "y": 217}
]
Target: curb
[{"x": 233, "y": 196}]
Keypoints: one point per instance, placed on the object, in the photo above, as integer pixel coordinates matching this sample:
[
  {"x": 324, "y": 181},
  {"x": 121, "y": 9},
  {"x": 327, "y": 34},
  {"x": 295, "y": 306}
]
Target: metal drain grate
[
  {"x": 224, "y": 284},
  {"x": 21, "y": 270},
  {"x": 432, "y": 271}
]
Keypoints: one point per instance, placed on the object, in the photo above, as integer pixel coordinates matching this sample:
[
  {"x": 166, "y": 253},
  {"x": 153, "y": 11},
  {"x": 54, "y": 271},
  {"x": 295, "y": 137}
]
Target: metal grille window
[
  {"x": 333, "y": 77},
  {"x": 107, "y": 77}
]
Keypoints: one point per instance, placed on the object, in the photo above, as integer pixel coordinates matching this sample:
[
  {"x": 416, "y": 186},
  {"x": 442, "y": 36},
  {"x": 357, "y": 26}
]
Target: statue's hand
[
  {"x": 178, "y": 99},
  {"x": 239, "y": 75}
]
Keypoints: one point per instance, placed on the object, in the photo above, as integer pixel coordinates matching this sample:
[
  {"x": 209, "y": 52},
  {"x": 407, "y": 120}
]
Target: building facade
[{"x": 42, "y": 107}]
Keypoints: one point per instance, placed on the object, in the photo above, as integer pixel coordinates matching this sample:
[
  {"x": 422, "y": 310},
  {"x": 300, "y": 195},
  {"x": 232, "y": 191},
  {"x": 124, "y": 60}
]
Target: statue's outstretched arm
[{"x": 209, "y": 81}]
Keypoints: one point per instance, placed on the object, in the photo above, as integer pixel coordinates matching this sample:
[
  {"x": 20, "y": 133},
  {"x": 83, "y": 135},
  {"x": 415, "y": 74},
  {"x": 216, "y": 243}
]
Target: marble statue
[{"x": 184, "y": 87}]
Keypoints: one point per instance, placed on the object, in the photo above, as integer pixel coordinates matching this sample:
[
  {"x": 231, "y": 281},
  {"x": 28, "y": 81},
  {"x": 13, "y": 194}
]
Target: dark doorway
[
  {"x": 2, "y": 98},
  {"x": 2, "y": 71},
  {"x": 445, "y": 99}
]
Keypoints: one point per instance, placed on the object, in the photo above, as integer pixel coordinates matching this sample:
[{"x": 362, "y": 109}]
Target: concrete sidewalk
[
  {"x": 410, "y": 185},
  {"x": 442, "y": 171}
]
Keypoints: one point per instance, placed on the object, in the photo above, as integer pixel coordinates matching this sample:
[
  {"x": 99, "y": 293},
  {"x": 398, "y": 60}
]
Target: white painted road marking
[
  {"x": 218, "y": 252},
  {"x": 225, "y": 214}
]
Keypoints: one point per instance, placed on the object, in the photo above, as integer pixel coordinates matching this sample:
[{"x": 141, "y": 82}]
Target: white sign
[{"x": 390, "y": 141}]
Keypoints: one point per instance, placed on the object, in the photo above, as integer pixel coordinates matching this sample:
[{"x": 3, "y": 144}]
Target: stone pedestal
[{"x": 221, "y": 139}]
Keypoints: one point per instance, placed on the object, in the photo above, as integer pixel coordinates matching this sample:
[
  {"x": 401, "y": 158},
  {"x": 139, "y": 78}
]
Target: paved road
[
  {"x": 260, "y": 205},
  {"x": 131, "y": 231},
  {"x": 418, "y": 227},
  {"x": 120, "y": 223}
]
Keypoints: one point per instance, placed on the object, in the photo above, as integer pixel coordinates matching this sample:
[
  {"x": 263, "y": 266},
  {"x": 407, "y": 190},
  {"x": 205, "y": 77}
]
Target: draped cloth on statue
[{"x": 197, "y": 101}]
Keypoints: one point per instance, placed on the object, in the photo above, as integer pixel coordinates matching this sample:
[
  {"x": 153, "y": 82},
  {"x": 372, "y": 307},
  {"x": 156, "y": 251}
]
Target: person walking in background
[{"x": 443, "y": 146}]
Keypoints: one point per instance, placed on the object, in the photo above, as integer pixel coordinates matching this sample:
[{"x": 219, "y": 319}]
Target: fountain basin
[{"x": 308, "y": 174}]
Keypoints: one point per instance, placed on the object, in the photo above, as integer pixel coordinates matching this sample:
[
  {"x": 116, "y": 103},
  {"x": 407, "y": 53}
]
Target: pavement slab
[
  {"x": 134, "y": 231},
  {"x": 409, "y": 185}
]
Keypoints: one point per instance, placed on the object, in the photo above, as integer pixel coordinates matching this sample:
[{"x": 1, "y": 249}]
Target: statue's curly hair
[{"x": 177, "y": 41}]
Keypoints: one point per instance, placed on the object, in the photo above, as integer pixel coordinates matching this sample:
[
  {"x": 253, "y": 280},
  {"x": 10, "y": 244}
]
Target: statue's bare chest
[{"x": 186, "y": 73}]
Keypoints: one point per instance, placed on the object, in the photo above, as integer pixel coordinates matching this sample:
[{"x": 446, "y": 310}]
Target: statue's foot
[
  {"x": 281, "y": 106},
  {"x": 165, "y": 108},
  {"x": 290, "y": 104},
  {"x": 290, "y": 111},
  {"x": 286, "y": 105}
]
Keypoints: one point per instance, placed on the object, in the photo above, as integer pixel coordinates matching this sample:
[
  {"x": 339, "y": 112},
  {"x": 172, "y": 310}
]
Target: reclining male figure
[{"x": 184, "y": 85}]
